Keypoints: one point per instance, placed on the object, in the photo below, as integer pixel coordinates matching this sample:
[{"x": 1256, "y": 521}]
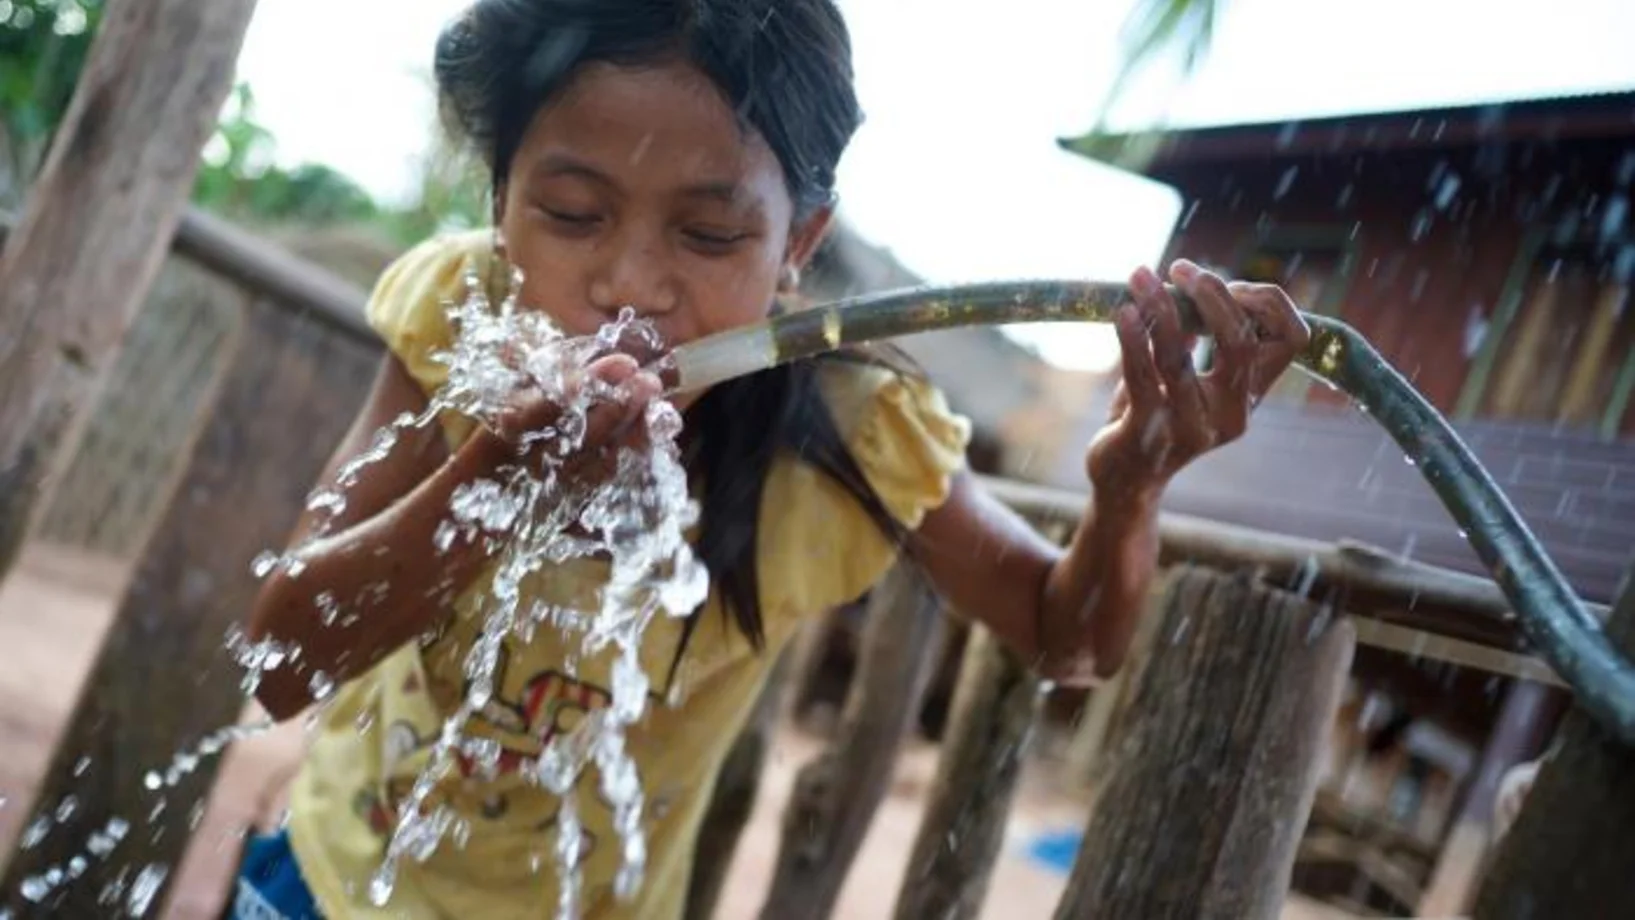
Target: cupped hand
[
  {"x": 1165, "y": 414},
  {"x": 533, "y": 424}
]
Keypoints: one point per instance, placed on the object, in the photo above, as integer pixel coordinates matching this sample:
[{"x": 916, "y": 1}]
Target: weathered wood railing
[
  {"x": 289, "y": 380},
  {"x": 1203, "y": 796}
]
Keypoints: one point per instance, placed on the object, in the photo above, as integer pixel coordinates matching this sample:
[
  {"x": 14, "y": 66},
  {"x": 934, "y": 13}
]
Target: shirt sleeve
[
  {"x": 821, "y": 548},
  {"x": 408, "y": 309}
]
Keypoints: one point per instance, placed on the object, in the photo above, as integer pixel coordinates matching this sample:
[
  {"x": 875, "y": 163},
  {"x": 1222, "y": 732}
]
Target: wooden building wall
[{"x": 1496, "y": 277}]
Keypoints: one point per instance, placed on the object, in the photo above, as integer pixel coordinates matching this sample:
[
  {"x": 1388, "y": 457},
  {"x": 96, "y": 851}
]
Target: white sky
[{"x": 957, "y": 169}]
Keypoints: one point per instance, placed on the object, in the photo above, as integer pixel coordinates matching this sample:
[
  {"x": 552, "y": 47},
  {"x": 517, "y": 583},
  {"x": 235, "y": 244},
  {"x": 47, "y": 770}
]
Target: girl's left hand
[{"x": 1165, "y": 414}]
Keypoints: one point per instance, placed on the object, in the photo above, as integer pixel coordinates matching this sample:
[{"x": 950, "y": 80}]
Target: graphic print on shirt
[
  {"x": 519, "y": 720},
  {"x": 547, "y": 705}
]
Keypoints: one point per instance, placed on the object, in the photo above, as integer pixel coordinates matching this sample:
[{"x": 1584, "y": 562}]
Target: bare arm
[
  {"x": 379, "y": 562},
  {"x": 384, "y": 535},
  {"x": 1072, "y": 613}
]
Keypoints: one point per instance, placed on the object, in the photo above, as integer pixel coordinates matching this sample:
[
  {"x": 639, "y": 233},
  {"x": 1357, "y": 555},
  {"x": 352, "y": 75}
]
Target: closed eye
[
  {"x": 715, "y": 238},
  {"x": 572, "y": 218}
]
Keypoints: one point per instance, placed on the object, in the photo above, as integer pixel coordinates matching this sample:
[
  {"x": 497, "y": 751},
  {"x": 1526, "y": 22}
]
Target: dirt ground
[{"x": 56, "y": 607}]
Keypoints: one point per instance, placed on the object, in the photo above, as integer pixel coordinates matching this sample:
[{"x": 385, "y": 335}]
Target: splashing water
[
  {"x": 101, "y": 844},
  {"x": 534, "y": 516}
]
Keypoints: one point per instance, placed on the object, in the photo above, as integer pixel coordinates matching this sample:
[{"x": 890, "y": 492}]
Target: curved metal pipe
[{"x": 1551, "y": 615}]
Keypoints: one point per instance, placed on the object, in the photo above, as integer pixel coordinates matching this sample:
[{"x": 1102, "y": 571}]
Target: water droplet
[
  {"x": 1421, "y": 226},
  {"x": 1285, "y": 182},
  {"x": 145, "y": 888},
  {"x": 381, "y": 885},
  {"x": 35, "y": 889},
  {"x": 321, "y": 685}
]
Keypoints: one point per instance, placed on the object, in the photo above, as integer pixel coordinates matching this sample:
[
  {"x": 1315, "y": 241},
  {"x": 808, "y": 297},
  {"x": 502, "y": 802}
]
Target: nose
[{"x": 634, "y": 271}]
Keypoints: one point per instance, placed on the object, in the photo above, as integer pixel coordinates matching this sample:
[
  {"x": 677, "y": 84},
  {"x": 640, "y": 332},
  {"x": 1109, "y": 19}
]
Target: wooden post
[
  {"x": 806, "y": 654},
  {"x": 733, "y": 800},
  {"x": 162, "y": 680},
  {"x": 1201, "y": 814},
  {"x": 996, "y": 705},
  {"x": 1518, "y": 735},
  {"x": 995, "y": 709},
  {"x": 835, "y": 795},
  {"x": 98, "y": 222},
  {"x": 1571, "y": 852},
  {"x": 1106, "y": 712}
]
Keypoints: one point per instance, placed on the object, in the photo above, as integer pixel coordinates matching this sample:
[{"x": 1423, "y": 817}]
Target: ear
[{"x": 807, "y": 236}]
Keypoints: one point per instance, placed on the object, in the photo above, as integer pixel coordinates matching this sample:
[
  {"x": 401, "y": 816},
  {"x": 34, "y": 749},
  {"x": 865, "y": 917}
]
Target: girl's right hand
[{"x": 609, "y": 424}]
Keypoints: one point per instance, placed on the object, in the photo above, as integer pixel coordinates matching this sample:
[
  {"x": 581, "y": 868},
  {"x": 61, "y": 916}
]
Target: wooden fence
[{"x": 1207, "y": 775}]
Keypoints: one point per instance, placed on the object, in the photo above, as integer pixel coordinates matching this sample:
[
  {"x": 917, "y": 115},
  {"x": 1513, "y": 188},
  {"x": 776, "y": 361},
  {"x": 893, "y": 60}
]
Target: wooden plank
[
  {"x": 1203, "y": 811},
  {"x": 1418, "y": 644},
  {"x": 135, "y": 442},
  {"x": 284, "y": 279},
  {"x": 97, "y": 223},
  {"x": 1519, "y": 733},
  {"x": 1571, "y": 851},
  {"x": 1623, "y": 388},
  {"x": 733, "y": 799},
  {"x": 162, "y": 680},
  {"x": 1330, "y": 810},
  {"x": 996, "y": 706},
  {"x": 836, "y": 795},
  {"x": 1521, "y": 363},
  {"x": 1584, "y": 396},
  {"x": 807, "y": 652},
  {"x": 1373, "y": 582}
]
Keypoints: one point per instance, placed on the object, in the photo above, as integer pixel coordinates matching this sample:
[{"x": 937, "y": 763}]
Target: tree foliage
[
  {"x": 43, "y": 45},
  {"x": 238, "y": 177},
  {"x": 1156, "y": 28}
]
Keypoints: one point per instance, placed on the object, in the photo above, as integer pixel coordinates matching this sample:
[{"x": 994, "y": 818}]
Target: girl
[{"x": 677, "y": 156}]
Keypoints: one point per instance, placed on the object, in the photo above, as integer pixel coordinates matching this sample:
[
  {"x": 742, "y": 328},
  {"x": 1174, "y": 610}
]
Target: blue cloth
[
  {"x": 1056, "y": 851},
  {"x": 270, "y": 886}
]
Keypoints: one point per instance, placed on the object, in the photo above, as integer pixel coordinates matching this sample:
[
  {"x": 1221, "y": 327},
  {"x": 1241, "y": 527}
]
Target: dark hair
[{"x": 785, "y": 67}]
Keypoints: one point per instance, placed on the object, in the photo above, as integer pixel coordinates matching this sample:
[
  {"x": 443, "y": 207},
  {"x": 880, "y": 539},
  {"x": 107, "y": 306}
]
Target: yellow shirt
[{"x": 817, "y": 549}]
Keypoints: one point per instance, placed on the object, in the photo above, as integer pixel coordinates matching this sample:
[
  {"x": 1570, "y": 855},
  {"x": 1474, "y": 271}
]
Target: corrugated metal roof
[
  {"x": 1336, "y": 475},
  {"x": 1589, "y": 114},
  {"x": 1567, "y": 100}
]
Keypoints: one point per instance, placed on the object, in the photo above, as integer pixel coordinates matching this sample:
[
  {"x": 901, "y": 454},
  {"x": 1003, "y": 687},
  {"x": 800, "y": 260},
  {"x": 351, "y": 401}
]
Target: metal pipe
[{"x": 1550, "y": 614}]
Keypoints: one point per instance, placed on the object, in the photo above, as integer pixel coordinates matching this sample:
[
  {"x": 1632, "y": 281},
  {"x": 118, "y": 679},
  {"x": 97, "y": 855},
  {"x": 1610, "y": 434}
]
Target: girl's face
[{"x": 638, "y": 187}]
